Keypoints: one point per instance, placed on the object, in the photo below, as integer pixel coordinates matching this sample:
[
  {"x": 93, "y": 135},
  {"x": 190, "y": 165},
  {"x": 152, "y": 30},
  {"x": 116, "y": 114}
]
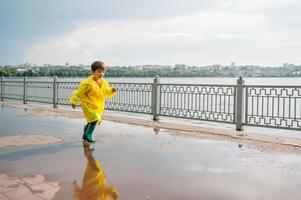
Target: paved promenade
[{"x": 42, "y": 157}]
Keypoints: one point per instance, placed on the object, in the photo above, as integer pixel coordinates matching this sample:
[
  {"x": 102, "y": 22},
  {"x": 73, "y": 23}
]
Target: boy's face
[{"x": 99, "y": 73}]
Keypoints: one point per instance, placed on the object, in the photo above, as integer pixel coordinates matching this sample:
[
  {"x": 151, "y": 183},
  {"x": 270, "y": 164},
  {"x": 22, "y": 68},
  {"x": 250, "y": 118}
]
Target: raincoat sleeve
[
  {"x": 77, "y": 94},
  {"x": 108, "y": 91}
]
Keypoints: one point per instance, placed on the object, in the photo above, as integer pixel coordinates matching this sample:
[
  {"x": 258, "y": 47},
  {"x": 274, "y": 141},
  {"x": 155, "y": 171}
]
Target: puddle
[
  {"x": 22, "y": 140},
  {"x": 147, "y": 163}
]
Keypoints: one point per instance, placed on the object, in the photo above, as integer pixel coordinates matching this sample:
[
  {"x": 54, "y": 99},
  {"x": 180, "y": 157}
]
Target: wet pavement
[{"x": 137, "y": 162}]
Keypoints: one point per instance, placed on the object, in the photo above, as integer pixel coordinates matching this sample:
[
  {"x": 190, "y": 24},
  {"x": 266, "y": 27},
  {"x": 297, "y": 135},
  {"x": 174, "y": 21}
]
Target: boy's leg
[
  {"x": 85, "y": 129},
  {"x": 89, "y": 131}
]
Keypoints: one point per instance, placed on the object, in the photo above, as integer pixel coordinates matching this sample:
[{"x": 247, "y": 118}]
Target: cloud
[
  {"x": 260, "y": 5},
  {"x": 228, "y": 35},
  {"x": 131, "y": 42},
  {"x": 171, "y": 31}
]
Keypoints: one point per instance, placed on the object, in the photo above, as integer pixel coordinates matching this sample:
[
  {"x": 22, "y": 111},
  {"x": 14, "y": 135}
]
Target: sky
[{"x": 140, "y": 32}]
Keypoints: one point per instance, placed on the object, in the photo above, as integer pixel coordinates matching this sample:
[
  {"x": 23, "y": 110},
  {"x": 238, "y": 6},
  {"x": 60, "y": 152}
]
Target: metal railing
[
  {"x": 204, "y": 102},
  {"x": 273, "y": 106},
  {"x": 251, "y": 105},
  {"x": 131, "y": 97}
]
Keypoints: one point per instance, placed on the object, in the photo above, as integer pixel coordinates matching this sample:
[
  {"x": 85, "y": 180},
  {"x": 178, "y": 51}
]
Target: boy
[{"x": 92, "y": 93}]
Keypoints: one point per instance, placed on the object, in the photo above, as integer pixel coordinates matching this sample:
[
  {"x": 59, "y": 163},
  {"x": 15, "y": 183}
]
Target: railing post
[
  {"x": 156, "y": 99},
  {"x": 54, "y": 92},
  {"x": 24, "y": 89},
  {"x": 2, "y": 88},
  {"x": 240, "y": 104}
]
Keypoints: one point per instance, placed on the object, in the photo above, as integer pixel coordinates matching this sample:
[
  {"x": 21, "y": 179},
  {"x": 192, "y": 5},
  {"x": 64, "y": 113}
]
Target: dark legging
[{"x": 89, "y": 127}]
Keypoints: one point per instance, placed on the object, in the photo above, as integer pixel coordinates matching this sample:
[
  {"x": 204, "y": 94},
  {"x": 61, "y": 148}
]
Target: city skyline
[
  {"x": 132, "y": 32},
  {"x": 232, "y": 64}
]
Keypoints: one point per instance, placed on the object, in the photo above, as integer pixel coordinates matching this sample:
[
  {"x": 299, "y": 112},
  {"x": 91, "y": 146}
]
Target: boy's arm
[
  {"x": 78, "y": 94},
  {"x": 109, "y": 91},
  {"x": 74, "y": 99}
]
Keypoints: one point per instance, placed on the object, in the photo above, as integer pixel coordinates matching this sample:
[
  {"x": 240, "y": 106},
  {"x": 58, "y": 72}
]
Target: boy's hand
[
  {"x": 114, "y": 89},
  {"x": 73, "y": 106}
]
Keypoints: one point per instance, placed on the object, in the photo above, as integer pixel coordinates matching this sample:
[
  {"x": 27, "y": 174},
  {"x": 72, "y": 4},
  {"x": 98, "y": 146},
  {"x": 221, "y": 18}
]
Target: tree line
[{"x": 179, "y": 71}]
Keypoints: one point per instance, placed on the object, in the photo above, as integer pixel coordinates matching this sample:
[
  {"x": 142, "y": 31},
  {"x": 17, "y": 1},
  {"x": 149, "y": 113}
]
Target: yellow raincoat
[
  {"x": 92, "y": 98},
  {"x": 94, "y": 185}
]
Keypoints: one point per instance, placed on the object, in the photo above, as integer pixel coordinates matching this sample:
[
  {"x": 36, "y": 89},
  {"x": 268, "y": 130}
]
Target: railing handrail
[
  {"x": 150, "y": 83},
  {"x": 275, "y": 86},
  {"x": 190, "y": 84}
]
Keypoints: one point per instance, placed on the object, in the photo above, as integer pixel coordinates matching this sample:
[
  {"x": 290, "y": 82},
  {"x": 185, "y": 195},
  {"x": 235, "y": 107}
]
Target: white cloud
[
  {"x": 228, "y": 35},
  {"x": 259, "y": 5},
  {"x": 200, "y": 38}
]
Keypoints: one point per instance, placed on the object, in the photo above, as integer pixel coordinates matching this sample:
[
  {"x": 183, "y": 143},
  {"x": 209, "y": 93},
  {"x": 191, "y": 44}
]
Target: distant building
[
  {"x": 26, "y": 65},
  {"x": 182, "y": 66},
  {"x": 146, "y": 67},
  {"x": 21, "y": 70},
  {"x": 216, "y": 67}
]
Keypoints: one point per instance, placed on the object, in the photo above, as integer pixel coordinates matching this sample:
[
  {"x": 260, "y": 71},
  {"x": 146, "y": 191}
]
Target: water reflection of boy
[{"x": 94, "y": 185}]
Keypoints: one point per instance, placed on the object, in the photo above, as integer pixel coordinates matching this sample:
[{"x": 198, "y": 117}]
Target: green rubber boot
[
  {"x": 84, "y": 134},
  {"x": 89, "y": 132}
]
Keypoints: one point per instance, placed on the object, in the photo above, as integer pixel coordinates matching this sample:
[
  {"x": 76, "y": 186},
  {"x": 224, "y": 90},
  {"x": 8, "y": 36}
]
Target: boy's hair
[{"x": 98, "y": 65}]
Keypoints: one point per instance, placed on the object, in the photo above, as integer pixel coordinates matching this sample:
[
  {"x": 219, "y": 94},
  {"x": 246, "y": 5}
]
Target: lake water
[
  {"x": 221, "y": 80},
  {"x": 191, "y": 80}
]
